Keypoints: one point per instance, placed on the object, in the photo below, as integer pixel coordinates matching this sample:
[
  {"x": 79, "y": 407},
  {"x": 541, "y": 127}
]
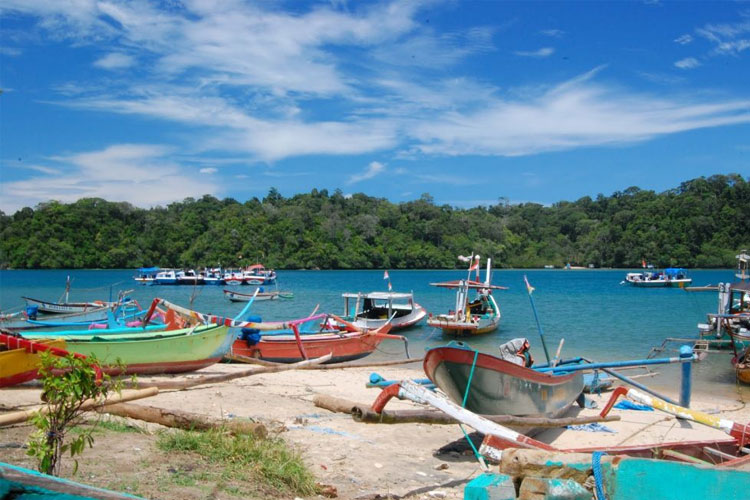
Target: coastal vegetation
[{"x": 700, "y": 223}]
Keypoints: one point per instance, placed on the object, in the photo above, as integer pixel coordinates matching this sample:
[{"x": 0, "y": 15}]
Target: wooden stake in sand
[
  {"x": 22, "y": 416},
  {"x": 183, "y": 419}
]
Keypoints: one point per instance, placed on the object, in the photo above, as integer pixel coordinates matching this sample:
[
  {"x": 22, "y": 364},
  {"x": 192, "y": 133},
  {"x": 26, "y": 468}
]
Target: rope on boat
[
  {"x": 596, "y": 465},
  {"x": 463, "y": 405}
]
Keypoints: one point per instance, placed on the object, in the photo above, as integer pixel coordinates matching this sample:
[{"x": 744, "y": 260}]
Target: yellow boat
[{"x": 20, "y": 365}]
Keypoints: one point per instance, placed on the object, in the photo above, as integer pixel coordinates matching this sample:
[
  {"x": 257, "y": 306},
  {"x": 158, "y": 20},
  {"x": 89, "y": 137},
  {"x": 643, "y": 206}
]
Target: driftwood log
[
  {"x": 22, "y": 416},
  {"x": 224, "y": 377},
  {"x": 335, "y": 366},
  {"x": 183, "y": 419},
  {"x": 363, "y": 413}
]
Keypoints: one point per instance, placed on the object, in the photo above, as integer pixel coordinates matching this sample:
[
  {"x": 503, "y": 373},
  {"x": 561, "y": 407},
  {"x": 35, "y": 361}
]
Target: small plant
[{"x": 67, "y": 383}]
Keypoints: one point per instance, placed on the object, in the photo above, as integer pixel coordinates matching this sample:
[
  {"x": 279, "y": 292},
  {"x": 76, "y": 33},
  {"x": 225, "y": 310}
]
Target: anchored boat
[
  {"x": 373, "y": 310},
  {"x": 481, "y": 315}
]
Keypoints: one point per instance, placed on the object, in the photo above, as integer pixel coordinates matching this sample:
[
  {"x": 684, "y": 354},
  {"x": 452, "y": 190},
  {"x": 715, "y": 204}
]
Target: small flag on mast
[
  {"x": 643, "y": 263},
  {"x": 386, "y": 277},
  {"x": 475, "y": 265},
  {"x": 529, "y": 288}
]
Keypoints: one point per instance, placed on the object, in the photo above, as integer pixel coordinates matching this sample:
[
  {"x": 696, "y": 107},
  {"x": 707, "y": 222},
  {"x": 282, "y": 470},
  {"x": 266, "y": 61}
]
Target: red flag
[{"x": 643, "y": 263}]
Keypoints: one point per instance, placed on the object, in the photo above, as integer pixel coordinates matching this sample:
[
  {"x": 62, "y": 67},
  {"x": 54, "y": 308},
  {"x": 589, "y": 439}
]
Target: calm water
[{"x": 598, "y": 317}]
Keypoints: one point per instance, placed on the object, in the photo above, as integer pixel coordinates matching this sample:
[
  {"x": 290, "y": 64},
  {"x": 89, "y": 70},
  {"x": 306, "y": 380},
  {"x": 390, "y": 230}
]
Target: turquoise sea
[{"x": 598, "y": 317}]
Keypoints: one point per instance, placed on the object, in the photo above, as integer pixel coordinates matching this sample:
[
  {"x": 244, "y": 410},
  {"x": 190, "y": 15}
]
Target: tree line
[{"x": 701, "y": 223}]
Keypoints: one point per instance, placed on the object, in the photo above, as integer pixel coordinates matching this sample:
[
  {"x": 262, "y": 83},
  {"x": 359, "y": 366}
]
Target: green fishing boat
[{"x": 147, "y": 352}]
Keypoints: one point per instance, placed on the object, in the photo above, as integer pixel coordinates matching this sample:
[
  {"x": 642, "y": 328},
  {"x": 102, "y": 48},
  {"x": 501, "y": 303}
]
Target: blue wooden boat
[{"x": 20, "y": 483}]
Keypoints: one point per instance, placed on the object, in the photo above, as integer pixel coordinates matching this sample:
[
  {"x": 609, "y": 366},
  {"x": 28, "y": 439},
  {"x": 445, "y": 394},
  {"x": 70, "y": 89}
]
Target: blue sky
[{"x": 152, "y": 102}]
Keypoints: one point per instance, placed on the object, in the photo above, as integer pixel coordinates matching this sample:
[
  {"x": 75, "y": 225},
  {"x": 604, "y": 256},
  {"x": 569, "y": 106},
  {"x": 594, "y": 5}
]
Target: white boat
[
  {"x": 146, "y": 275},
  {"x": 743, "y": 265},
  {"x": 670, "y": 277},
  {"x": 261, "y": 295},
  {"x": 257, "y": 274},
  {"x": 369, "y": 311},
  {"x": 481, "y": 315}
]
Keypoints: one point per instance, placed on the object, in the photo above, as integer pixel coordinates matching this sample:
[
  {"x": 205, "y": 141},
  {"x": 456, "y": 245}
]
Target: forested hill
[{"x": 702, "y": 223}]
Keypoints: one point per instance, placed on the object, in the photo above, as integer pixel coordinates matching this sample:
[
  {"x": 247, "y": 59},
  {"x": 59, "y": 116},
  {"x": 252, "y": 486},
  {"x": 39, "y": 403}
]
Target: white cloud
[
  {"x": 728, "y": 38},
  {"x": 687, "y": 63},
  {"x": 115, "y": 60},
  {"x": 684, "y": 39},
  {"x": 574, "y": 114},
  {"x": 137, "y": 173},
  {"x": 10, "y": 51},
  {"x": 543, "y": 52},
  {"x": 208, "y": 170},
  {"x": 373, "y": 169}
]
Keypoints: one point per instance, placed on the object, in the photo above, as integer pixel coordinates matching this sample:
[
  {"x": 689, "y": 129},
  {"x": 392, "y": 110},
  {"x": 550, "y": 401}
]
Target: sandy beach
[{"x": 361, "y": 461}]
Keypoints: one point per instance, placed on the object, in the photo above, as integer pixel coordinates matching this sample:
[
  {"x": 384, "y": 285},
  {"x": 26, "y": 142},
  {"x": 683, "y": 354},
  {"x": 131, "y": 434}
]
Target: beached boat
[
  {"x": 293, "y": 346},
  {"x": 481, "y": 315},
  {"x": 670, "y": 277},
  {"x": 18, "y": 365},
  {"x": 374, "y": 309},
  {"x": 552, "y": 474},
  {"x": 171, "y": 351},
  {"x": 19, "y": 483},
  {"x": 260, "y": 295},
  {"x": 48, "y": 307},
  {"x": 741, "y": 364},
  {"x": 126, "y": 313},
  {"x": 490, "y": 385}
]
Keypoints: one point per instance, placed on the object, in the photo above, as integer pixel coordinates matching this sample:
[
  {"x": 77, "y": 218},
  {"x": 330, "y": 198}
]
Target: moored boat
[
  {"x": 374, "y": 309},
  {"x": 670, "y": 277},
  {"x": 481, "y": 315},
  {"x": 490, "y": 385},
  {"x": 234, "y": 296}
]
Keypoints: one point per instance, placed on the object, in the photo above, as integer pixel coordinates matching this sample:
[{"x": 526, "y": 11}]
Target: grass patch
[
  {"x": 119, "y": 426},
  {"x": 268, "y": 462}
]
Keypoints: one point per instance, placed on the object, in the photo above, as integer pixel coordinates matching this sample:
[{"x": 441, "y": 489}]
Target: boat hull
[
  {"x": 397, "y": 323},
  {"x": 499, "y": 387},
  {"x": 450, "y": 326},
  {"x": 285, "y": 349},
  {"x": 161, "y": 352},
  {"x": 65, "y": 307},
  {"x": 661, "y": 283},
  {"x": 19, "y": 365}
]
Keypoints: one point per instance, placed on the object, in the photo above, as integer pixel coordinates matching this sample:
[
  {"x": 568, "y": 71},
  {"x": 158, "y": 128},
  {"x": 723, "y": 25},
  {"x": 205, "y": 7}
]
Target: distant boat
[
  {"x": 260, "y": 295},
  {"x": 743, "y": 265},
  {"x": 481, "y": 315},
  {"x": 372, "y": 310},
  {"x": 670, "y": 277}
]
